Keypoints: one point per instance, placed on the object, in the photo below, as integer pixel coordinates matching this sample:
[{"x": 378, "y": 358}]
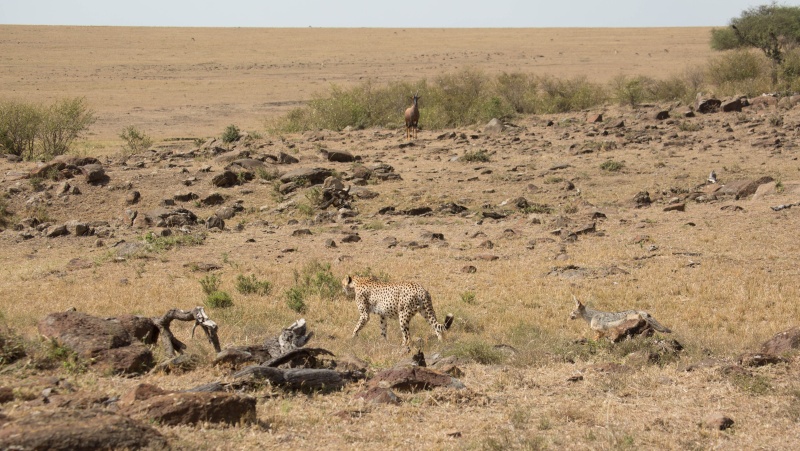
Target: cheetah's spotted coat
[{"x": 400, "y": 300}]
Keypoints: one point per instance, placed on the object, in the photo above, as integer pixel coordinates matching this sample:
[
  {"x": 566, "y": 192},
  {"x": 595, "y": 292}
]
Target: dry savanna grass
[{"x": 722, "y": 274}]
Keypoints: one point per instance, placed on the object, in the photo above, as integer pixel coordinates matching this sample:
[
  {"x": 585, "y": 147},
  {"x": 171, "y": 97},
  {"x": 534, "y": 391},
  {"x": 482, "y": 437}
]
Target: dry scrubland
[{"x": 723, "y": 279}]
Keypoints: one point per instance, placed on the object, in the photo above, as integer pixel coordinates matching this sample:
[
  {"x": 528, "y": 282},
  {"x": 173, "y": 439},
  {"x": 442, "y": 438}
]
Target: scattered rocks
[
  {"x": 225, "y": 179},
  {"x": 78, "y": 429}
]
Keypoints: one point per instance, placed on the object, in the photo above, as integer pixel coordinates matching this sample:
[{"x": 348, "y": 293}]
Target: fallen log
[{"x": 172, "y": 345}]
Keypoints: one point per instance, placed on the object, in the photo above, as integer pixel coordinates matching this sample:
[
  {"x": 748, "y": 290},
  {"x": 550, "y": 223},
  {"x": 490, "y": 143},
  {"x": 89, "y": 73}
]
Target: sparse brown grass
[{"x": 724, "y": 281}]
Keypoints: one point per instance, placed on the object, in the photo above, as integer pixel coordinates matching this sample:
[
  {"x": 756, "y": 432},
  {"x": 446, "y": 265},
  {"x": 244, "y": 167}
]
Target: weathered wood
[
  {"x": 308, "y": 379},
  {"x": 291, "y": 338},
  {"x": 172, "y": 345}
]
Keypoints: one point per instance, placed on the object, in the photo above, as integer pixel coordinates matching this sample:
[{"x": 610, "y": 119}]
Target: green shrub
[
  {"x": 62, "y": 123},
  {"x": 219, "y": 299},
  {"x": 19, "y": 123},
  {"x": 476, "y": 156},
  {"x": 163, "y": 243},
  {"x": 315, "y": 279},
  {"x": 612, "y": 166},
  {"x": 231, "y": 134},
  {"x": 251, "y": 285},
  {"x": 210, "y": 283},
  {"x": 518, "y": 90},
  {"x": 740, "y": 71},
  {"x": 629, "y": 91},
  {"x": 295, "y": 299},
  {"x": 11, "y": 346},
  {"x": 564, "y": 95},
  {"x": 135, "y": 140}
]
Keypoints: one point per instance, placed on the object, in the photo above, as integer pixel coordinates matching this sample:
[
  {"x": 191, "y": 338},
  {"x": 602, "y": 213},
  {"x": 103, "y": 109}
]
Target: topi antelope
[{"x": 412, "y": 116}]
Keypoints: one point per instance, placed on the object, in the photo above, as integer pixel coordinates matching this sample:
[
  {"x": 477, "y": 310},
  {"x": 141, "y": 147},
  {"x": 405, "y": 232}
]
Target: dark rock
[
  {"x": 642, "y": 199},
  {"x": 185, "y": 197},
  {"x": 754, "y": 359},
  {"x": 215, "y": 222},
  {"x": 675, "y": 207},
  {"x": 127, "y": 360},
  {"x": 301, "y": 232},
  {"x": 743, "y": 188},
  {"x": 140, "y": 328},
  {"x": 351, "y": 238},
  {"x": 285, "y": 158},
  {"x": 414, "y": 378},
  {"x": 212, "y": 199},
  {"x": 339, "y": 156},
  {"x": 94, "y": 173},
  {"x": 85, "y": 334},
  {"x": 594, "y": 118},
  {"x": 469, "y": 269},
  {"x": 717, "y": 422},
  {"x": 706, "y": 106},
  {"x": 76, "y": 429},
  {"x": 184, "y": 408},
  {"x": 56, "y": 231},
  {"x": 225, "y": 179},
  {"x": 783, "y": 343},
  {"x": 311, "y": 175},
  {"x": 133, "y": 197},
  {"x": 378, "y": 395},
  {"x": 77, "y": 228},
  {"x": 417, "y": 211},
  {"x": 734, "y": 104}
]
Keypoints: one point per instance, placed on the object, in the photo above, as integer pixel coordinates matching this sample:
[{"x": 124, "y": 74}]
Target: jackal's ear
[
  {"x": 577, "y": 302},
  {"x": 349, "y": 279}
]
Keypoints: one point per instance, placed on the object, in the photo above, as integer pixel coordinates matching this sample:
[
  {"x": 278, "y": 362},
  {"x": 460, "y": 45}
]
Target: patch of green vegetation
[
  {"x": 379, "y": 276},
  {"x": 468, "y": 297},
  {"x": 219, "y": 299},
  {"x": 686, "y": 126},
  {"x": 314, "y": 279},
  {"x": 135, "y": 140},
  {"x": 537, "y": 208},
  {"x": 231, "y": 134},
  {"x": 753, "y": 384},
  {"x": 267, "y": 174},
  {"x": 163, "y": 243},
  {"x": 475, "y": 156},
  {"x": 251, "y": 285},
  {"x": 12, "y": 346},
  {"x": 552, "y": 179},
  {"x": 612, "y": 166},
  {"x": 210, "y": 283}
]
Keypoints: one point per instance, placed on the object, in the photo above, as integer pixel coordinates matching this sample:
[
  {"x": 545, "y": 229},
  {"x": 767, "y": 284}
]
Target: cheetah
[{"x": 400, "y": 300}]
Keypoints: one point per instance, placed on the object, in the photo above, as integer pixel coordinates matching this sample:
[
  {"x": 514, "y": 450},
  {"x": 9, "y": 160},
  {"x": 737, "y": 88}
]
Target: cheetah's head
[{"x": 348, "y": 285}]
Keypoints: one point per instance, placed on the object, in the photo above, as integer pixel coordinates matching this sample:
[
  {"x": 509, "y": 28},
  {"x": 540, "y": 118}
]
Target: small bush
[
  {"x": 537, "y": 208},
  {"x": 19, "y": 123},
  {"x": 251, "y": 285},
  {"x": 295, "y": 299},
  {"x": 219, "y": 299},
  {"x": 267, "y": 174},
  {"x": 11, "y": 346},
  {"x": 612, "y": 166},
  {"x": 163, "y": 243},
  {"x": 231, "y": 134},
  {"x": 210, "y": 283},
  {"x": 62, "y": 123},
  {"x": 564, "y": 95},
  {"x": 476, "y": 156},
  {"x": 135, "y": 140}
]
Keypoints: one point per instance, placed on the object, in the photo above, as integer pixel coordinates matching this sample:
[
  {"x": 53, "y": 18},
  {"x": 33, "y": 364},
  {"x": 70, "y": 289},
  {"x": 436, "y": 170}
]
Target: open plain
[{"x": 502, "y": 243}]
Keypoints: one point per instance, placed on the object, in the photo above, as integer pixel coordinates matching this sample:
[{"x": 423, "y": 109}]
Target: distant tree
[{"x": 774, "y": 29}]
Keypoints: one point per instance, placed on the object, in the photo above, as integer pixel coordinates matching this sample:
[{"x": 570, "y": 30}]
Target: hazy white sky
[{"x": 376, "y": 13}]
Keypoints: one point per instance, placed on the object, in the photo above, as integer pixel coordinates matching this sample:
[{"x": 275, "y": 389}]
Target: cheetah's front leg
[{"x": 362, "y": 321}]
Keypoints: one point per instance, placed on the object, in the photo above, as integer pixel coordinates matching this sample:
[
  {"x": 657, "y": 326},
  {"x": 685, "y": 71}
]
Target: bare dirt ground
[{"x": 722, "y": 273}]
